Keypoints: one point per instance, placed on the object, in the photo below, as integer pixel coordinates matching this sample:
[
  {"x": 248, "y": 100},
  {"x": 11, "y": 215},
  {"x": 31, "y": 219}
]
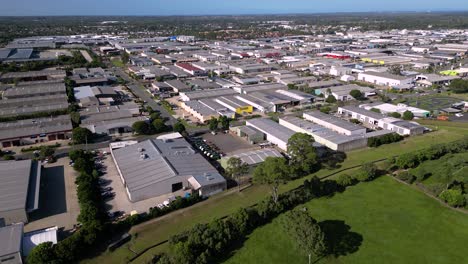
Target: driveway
[{"x": 58, "y": 201}]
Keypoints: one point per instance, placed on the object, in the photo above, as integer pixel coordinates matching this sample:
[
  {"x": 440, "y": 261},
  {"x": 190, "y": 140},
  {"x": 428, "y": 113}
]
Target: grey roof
[
  {"x": 19, "y": 54},
  {"x": 324, "y": 84},
  {"x": 34, "y": 101},
  {"x": 103, "y": 116},
  {"x": 35, "y": 90},
  {"x": 406, "y": 124},
  {"x": 200, "y": 108},
  {"x": 82, "y": 92},
  {"x": 26, "y": 110},
  {"x": 320, "y": 131},
  {"x": 210, "y": 93},
  {"x": 203, "y": 84},
  {"x": 34, "y": 127},
  {"x": 386, "y": 75},
  {"x": 209, "y": 179},
  {"x": 263, "y": 87},
  {"x": 363, "y": 111},
  {"x": 334, "y": 120},
  {"x": 29, "y": 74},
  {"x": 256, "y": 156},
  {"x": 178, "y": 85},
  {"x": 10, "y": 239},
  {"x": 268, "y": 126},
  {"x": 14, "y": 176},
  {"x": 157, "y": 161}
]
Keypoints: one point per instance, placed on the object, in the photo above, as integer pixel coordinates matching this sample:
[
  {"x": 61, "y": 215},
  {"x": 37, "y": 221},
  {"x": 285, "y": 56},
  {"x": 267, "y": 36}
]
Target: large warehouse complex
[
  {"x": 160, "y": 166},
  {"x": 19, "y": 191}
]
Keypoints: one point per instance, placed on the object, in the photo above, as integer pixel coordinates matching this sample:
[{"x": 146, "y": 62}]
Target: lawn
[
  {"x": 432, "y": 102},
  {"x": 154, "y": 232},
  {"x": 118, "y": 63},
  {"x": 389, "y": 222}
]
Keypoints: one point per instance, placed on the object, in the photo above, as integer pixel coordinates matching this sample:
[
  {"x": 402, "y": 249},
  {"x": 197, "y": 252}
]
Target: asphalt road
[{"x": 139, "y": 91}]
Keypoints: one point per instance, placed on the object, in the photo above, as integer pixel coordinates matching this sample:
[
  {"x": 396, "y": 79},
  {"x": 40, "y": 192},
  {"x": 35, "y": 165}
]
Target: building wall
[
  {"x": 14, "y": 216},
  {"x": 14, "y": 258},
  {"x": 335, "y": 128},
  {"x": 212, "y": 189},
  {"x": 156, "y": 189}
]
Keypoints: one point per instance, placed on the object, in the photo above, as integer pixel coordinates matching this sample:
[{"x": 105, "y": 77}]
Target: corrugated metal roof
[{"x": 14, "y": 177}]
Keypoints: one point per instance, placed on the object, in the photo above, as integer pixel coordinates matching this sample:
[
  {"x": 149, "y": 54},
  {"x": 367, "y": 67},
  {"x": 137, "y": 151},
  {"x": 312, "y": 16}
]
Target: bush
[
  {"x": 408, "y": 115},
  {"x": 406, "y": 177},
  {"x": 385, "y": 139},
  {"x": 453, "y": 198},
  {"x": 345, "y": 180},
  {"x": 367, "y": 172}
]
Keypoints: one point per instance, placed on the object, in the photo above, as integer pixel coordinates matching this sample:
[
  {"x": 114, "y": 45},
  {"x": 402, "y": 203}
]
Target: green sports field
[{"x": 389, "y": 222}]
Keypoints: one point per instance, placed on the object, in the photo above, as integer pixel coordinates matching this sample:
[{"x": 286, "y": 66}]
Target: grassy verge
[
  {"x": 118, "y": 63},
  {"x": 397, "y": 224},
  {"x": 154, "y": 232}
]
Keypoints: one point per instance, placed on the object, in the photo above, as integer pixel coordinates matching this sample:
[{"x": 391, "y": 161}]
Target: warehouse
[
  {"x": 31, "y": 131},
  {"x": 377, "y": 120},
  {"x": 26, "y": 91},
  {"x": 199, "y": 110},
  {"x": 274, "y": 132},
  {"x": 333, "y": 123},
  {"x": 384, "y": 78},
  {"x": 19, "y": 191},
  {"x": 341, "y": 93},
  {"x": 207, "y": 184},
  {"x": 250, "y": 134},
  {"x": 156, "y": 167},
  {"x": 110, "y": 122},
  {"x": 195, "y": 95},
  {"x": 235, "y": 105},
  {"x": 386, "y": 109},
  {"x": 323, "y": 135},
  {"x": 33, "y": 75}
]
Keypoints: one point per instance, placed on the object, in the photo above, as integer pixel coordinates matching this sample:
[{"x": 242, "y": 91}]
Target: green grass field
[
  {"x": 118, "y": 63},
  {"x": 154, "y": 232},
  {"x": 398, "y": 224}
]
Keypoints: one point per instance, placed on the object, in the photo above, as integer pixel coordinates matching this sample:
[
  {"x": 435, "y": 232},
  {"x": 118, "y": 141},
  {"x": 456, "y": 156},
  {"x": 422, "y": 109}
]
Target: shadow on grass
[{"x": 341, "y": 241}]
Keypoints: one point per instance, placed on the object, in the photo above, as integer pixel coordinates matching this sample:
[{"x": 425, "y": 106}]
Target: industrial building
[
  {"x": 384, "y": 78},
  {"x": 31, "y": 131},
  {"x": 387, "y": 109},
  {"x": 19, "y": 191},
  {"x": 160, "y": 166},
  {"x": 323, "y": 135},
  {"x": 342, "y": 93},
  {"x": 377, "y": 120},
  {"x": 273, "y": 132},
  {"x": 10, "y": 244},
  {"x": 33, "y": 76},
  {"x": 333, "y": 123}
]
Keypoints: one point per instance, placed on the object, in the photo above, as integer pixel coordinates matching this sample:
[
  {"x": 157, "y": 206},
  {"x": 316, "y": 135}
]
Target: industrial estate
[{"x": 159, "y": 147}]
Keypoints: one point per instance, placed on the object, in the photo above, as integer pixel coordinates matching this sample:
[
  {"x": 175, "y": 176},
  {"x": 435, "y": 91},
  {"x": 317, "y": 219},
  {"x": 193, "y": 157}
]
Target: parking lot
[
  {"x": 227, "y": 143},
  {"x": 120, "y": 201},
  {"x": 58, "y": 201}
]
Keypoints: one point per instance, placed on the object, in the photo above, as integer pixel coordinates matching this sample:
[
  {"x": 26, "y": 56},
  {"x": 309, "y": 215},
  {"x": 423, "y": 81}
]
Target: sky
[{"x": 217, "y": 7}]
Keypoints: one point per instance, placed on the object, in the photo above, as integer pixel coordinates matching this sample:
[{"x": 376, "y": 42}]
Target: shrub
[
  {"x": 345, "y": 180},
  {"x": 453, "y": 198},
  {"x": 406, "y": 177}
]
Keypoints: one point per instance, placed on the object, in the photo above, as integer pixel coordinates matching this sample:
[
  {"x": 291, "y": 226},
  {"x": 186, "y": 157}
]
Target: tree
[
  {"x": 408, "y": 115},
  {"x": 125, "y": 57},
  {"x": 80, "y": 135},
  {"x": 236, "y": 168},
  {"x": 159, "y": 126},
  {"x": 395, "y": 69},
  {"x": 367, "y": 172},
  {"x": 306, "y": 232},
  {"x": 46, "y": 152},
  {"x": 459, "y": 86},
  {"x": 273, "y": 171},
  {"x": 331, "y": 99},
  {"x": 325, "y": 109},
  {"x": 213, "y": 123},
  {"x": 453, "y": 197},
  {"x": 141, "y": 127},
  {"x": 224, "y": 120},
  {"x": 356, "y": 94},
  {"x": 395, "y": 115},
  {"x": 302, "y": 152},
  {"x": 179, "y": 127},
  {"x": 43, "y": 253},
  {"x": 155, "y": 115},
  {"x": 75, "y": 118}
]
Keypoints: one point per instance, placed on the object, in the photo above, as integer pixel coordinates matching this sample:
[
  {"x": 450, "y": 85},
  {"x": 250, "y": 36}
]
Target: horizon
[{"x": 31, "y": 8}]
